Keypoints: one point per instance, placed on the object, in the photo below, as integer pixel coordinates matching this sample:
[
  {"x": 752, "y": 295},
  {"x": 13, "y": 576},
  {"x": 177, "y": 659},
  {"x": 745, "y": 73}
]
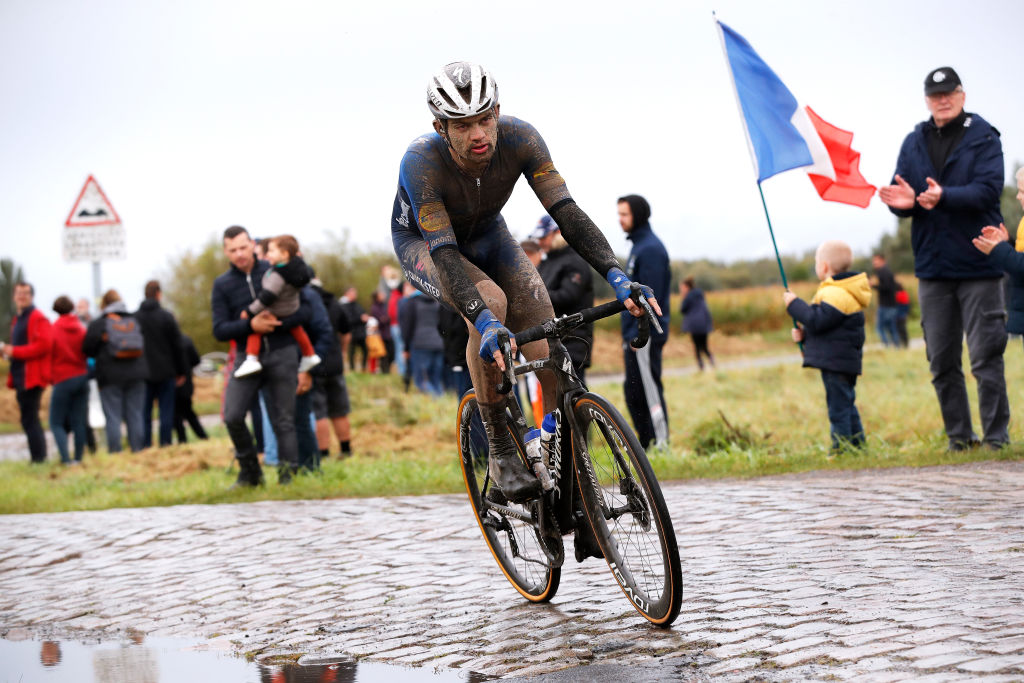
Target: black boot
[
  {"x": 507, "y": 470},
  {"x": 249, "y": 471},
  {"x": 285, "y": 473}
]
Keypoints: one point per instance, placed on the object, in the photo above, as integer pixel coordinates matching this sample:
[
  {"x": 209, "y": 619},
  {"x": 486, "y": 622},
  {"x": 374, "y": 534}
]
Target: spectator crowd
[{"x": 291, "y": 340}]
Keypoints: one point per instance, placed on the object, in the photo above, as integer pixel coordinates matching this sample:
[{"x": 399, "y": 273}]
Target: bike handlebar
[{"x": 559, "y": 327}]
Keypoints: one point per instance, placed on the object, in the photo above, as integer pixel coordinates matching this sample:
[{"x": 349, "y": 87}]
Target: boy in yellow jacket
[{"x": 832, "y": 329}]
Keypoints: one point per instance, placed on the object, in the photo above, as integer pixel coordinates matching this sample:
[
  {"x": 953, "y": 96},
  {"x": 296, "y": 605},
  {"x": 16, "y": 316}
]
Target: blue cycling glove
[
  {"x": 620, "y": 283},
  {"x": 488, "y": 326}
]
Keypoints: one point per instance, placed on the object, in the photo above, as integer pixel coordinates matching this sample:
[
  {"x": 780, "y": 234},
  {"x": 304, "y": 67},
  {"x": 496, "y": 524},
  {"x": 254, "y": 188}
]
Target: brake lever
[
  {"x": 650, "y": 315},
  {"x": 508, "y": 379},
  {"x": 643, "y": 322}
]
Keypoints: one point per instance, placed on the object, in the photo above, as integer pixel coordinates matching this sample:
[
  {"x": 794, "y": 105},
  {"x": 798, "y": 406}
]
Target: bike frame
[{"x": 568, "y": 387}]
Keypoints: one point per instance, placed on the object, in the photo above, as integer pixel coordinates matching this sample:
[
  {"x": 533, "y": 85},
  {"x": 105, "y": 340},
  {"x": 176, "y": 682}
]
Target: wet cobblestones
[{"x": 879, "y": 575}]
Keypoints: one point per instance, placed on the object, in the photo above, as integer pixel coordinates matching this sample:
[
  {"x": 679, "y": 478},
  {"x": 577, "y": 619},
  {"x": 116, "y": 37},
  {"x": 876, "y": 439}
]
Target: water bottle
[
  {"x": 548, "y": 428},
  {"x": 535, "y": 456}
]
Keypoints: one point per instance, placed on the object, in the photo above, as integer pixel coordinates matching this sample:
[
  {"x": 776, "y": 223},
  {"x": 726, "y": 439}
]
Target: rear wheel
[
  {"x": 511, "y": 537},
  {"x": 626, "y": 510}
]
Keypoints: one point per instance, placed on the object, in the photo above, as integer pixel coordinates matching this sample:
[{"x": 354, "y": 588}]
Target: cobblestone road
[{"x": 881, "y": 575}]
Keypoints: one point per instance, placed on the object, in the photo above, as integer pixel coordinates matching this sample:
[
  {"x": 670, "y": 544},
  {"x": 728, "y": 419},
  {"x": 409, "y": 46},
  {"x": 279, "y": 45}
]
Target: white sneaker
[
  {"x": 250, "y": 366},
  {"x": 308, "y": 363}
]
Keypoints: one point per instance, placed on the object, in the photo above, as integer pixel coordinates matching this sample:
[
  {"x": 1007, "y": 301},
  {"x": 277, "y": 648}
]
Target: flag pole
[{"x": 771, "y": 232}]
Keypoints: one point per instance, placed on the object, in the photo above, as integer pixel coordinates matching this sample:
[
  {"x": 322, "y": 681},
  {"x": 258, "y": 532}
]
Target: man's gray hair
[{"x": 1020, "y": 174}]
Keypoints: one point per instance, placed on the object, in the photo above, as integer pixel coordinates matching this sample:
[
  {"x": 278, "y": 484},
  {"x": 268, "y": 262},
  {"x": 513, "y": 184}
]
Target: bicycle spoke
[
  {"x": 633, "y": 529},
  {"x": 510, "y": 530}
]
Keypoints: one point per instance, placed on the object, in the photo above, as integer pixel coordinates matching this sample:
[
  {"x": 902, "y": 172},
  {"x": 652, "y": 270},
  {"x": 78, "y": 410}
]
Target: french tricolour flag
[{"x": 783, "y": 134}]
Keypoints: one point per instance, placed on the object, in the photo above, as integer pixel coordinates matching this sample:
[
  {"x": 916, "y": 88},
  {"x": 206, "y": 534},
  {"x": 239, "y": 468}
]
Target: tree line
[{"x": 188, "y": 278}]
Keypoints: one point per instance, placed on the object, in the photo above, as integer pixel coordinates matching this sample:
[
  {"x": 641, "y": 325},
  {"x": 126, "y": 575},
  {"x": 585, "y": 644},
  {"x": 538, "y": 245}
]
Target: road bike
[{"x": 602, "y": 488}]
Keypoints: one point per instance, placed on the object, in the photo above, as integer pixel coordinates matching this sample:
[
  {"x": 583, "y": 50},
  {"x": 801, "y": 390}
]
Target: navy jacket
[
  {"x": 1004, "y": 257},
  {"x": 696, "y": 316},
  {"x": 232, "y": 293},
  {"x": 648, "y": 265},
  {"x": 971, "y": 180},
  {"x": 834, "y": 323},
  {"x": 320, "y": 331},
  {"x": 330, "y": 355}
]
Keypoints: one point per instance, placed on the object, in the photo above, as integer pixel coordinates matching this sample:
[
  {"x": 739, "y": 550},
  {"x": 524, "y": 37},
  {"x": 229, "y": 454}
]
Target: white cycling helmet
[{"x": 461, "y": 90}]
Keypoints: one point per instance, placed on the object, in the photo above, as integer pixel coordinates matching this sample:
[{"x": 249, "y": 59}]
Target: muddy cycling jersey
[{"x": 442, "y": 208}]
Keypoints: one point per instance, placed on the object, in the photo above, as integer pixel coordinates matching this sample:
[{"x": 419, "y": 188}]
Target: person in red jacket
[
  {"x": 69, "y": 400},
  {"x": 29, "y": 354}
]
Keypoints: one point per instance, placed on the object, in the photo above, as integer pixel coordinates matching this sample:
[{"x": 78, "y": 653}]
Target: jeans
[
  {"x": 426, "y": 367},
  {"x": 278, "y": 379},
  {"x": 843, "y": 416},
  {"x": 69, "y": 403},
  {"x": 644, "y": 395},
  {"x": 269, "y": 440},
  {"x": 396, "y": 338},
  {"x": 28, "y": 405},
  {"x": 123, "y": 403},
  {"x": 949, "y": 308},
  {"x": 305, "y": 432},
  {"x": 163, "y": 392},
  {"x": 888, "y": 329}
]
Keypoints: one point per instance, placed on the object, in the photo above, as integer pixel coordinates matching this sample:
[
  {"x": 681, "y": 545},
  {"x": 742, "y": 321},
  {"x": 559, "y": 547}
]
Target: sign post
[{"x": 93, "y": 231}]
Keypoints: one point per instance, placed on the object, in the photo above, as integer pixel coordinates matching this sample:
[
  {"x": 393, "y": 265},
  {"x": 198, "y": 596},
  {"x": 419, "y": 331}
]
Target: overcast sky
[{"x": 292, "y": 117}]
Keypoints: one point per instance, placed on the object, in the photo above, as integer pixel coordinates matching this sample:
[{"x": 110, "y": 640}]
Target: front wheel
[
  {"x": 512, "y": 538},
  {"x": 626, "y": 510}
]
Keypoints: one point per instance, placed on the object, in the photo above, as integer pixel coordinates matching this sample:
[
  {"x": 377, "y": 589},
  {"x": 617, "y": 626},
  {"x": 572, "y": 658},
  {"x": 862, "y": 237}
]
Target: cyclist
[{"x": 453, "y": 243}]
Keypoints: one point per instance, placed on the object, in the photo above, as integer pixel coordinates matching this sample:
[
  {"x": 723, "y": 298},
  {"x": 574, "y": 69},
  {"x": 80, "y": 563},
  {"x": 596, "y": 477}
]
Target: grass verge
[{"x": 738, "y": 423}]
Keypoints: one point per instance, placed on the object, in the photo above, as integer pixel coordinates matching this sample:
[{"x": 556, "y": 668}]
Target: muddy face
[{"x": 472, "y": 141}]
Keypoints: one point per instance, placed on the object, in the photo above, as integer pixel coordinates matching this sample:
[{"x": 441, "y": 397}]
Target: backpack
[{"x": 123, "y": 336}]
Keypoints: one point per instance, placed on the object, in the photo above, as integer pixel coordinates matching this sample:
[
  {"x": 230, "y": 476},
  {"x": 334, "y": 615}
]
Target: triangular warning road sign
[
  {"x": 93, "y": 230},
  {"x": 92, "y": 208}
]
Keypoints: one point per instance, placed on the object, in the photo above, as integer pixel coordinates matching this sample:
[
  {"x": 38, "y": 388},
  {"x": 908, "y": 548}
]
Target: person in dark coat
[
  {"x": 455, "y": 336},
  {"x": 183, "y": 410},
  {"x": 948, "y": 180},
  {"x": 357, "y": 317},
  {"x": 696, "y": 320},
  {"x": 570, "y": 284},
  {"x": 418, "y": 317},
  {"x": 885, "y": 284},
  {"x": 648, "y": 263},
  {"x": 164, "y": 362},
  {"x": 122, "y": 380},
  {"x": 232, "y": 293},
  {"x": 331, "y": 404}
]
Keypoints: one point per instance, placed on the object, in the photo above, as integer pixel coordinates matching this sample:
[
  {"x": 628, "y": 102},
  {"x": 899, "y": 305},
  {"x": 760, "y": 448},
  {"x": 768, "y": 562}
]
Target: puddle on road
[{"x": 170, "y": 660}]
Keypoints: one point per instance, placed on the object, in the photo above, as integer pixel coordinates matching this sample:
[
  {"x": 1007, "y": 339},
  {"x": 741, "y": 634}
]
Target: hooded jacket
[
  {"x": 111, "y": 370},
  {"x": 834, "y": 323},
  {"x": 972, "y": 181},
  {"x": 68, "y": 360},
  {"x": 648, "y": 265}
]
